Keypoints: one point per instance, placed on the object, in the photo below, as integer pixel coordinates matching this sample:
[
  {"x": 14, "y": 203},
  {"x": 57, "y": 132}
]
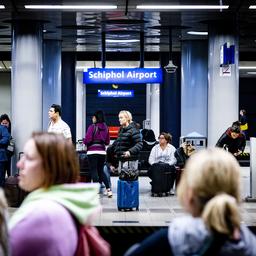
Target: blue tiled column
[
  {"x": 194, "y": 87},
  {"x": 51, "y": 77},
  {"x": 170, "y": 101}
]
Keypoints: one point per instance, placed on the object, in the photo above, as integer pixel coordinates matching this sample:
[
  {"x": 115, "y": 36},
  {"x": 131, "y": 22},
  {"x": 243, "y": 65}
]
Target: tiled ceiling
[{"x": 81, "y": 30}]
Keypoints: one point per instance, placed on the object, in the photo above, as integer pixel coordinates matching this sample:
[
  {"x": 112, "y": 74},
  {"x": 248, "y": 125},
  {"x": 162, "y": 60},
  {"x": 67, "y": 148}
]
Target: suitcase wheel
[{"x": 137, "y": 208}]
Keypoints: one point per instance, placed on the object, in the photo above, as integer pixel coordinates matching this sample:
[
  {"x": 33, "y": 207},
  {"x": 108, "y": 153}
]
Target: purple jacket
[
  {"x": 97, "y": 137},
  {"x": 40, "y": 232}
]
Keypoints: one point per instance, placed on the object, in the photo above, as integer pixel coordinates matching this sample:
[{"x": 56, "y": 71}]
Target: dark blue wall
[
  {"x": 112, "y": 106},
  {"x": 247, "y": 95}
]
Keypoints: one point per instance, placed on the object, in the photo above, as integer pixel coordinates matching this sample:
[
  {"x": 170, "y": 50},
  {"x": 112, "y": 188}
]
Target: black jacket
[
  {"x": 128, "y": 140},
  {"x": 233, "y": 145},
  {"x": 181, "y": 157}
]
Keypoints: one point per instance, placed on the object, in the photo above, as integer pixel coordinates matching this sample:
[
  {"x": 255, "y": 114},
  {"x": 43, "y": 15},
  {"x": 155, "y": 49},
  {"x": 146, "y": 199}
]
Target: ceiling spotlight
[
  {"x": 2, "y": 7},
  {"x": 71, "y": 7},
  {"x": 122, "y": 40},
  {"x": 198, "y": 33},
  {"x": 182, "y": 7},
  {"x": 247, "y": 67}
]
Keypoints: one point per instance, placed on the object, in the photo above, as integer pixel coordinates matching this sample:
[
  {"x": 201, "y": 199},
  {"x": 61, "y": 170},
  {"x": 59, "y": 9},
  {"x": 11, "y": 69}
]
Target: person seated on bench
[
  {"x": 210, "y": 193},
  {"x": 162, "y": 152},
  {"x": 182, "y": 154},
  {"x": 148, "y": 139}
]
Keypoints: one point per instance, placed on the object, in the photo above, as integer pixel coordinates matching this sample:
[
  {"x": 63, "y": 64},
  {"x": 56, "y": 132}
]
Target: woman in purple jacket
[{"x": 96, "y": 139}]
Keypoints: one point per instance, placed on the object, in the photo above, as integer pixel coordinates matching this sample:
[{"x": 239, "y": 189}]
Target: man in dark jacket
[
  {"x": 4, "y": 140},
  {"x": 233, "y": 140}
]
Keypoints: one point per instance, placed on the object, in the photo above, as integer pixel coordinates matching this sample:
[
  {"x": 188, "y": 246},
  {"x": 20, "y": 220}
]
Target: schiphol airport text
[{"x": 121, "y": 75}]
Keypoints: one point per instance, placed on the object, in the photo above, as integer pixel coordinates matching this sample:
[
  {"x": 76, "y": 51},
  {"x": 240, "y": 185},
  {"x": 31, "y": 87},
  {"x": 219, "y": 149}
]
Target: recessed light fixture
[
  {"x": 44, "y": 30},
  {"x": 122, "y": 40},
  {"x": 247, "y": 67},
  {"x": 252, "y": 7},
  {"x": 2, "y": 7},
  {"x": 198, "y": 33},
  {"x": 251, "y": 73},
  {"x": 183, "y": 7},
  {"x": 71, "y": 7}
]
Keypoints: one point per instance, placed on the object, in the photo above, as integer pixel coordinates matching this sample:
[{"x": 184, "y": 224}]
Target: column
[
  {"x": 80, "y": 106},
  {"x": 223, "y": 91},
  {"x": 26, "y": 80},
  {"x": 194, "y": 87},
  {"x": 51, "y": 77},
  {"x": 68, "y": 91},
  {"x": 170, "y": 101}
]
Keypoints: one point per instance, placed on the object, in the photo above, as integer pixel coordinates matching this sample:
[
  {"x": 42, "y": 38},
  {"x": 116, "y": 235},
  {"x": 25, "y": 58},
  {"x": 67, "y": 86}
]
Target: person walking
[
  {"x": 96, "y": 139},
  {"x": 57, "y": 125},
  {"x": 5, "y": 120},
  {"x": 243, "y": 122}
]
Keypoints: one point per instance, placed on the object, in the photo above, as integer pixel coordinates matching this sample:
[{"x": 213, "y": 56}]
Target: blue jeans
[
  {"x": 2, "y": 172},
  {"x": 106, "y": 177}
]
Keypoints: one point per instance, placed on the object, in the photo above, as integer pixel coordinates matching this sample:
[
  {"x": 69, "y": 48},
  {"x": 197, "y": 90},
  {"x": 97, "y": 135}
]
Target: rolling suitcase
[
  {"x": 163, "y": 177},
  {"x": 127, "y": 195},
  {"x": 85, "y": 175},
  {"x": 13, "y": 193}
]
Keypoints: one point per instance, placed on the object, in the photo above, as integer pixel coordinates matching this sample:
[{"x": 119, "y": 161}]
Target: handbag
[
  {"x": 128, "y": 173},
  {"x": 10, "y": 147}
]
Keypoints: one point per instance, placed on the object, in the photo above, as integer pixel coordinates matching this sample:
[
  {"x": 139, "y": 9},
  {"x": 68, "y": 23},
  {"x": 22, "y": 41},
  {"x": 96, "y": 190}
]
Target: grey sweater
[{"x": 188, "y": 235}]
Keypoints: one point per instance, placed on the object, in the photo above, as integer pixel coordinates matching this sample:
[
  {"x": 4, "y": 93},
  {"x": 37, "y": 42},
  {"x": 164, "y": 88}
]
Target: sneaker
[
  {"x": 105, "y": 193},
  {"x": 109, "y": 193}
]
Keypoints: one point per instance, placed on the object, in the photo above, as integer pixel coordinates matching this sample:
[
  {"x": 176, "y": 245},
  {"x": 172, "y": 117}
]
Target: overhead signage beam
[{"x": 123, "y": 75}]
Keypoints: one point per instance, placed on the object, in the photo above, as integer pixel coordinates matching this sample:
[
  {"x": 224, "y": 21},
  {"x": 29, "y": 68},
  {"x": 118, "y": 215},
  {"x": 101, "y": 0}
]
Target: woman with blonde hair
[
  {"x": 209, "y": 191},
  {"x": 128, "y": 144}
]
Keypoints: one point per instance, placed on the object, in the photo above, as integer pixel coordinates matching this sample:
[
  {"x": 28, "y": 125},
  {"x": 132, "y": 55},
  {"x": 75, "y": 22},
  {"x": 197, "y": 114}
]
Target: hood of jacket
[
  {"x": 80, "y": 199},
  {"x": 101, "y": 126}
]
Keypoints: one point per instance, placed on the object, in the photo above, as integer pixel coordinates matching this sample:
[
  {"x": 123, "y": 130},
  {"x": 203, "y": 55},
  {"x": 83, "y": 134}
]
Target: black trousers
[{"x": 96, "y": 164}]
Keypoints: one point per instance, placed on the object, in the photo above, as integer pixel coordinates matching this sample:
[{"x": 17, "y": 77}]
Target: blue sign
[
  {"x": 116, "y": 93},
  {"x": 227, "y": 54},
  {"x": 123, "y": 75}
]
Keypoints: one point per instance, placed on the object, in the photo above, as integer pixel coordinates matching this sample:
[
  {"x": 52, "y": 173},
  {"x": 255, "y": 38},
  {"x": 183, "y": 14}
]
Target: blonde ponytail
[{"x": 221, "y": 214}]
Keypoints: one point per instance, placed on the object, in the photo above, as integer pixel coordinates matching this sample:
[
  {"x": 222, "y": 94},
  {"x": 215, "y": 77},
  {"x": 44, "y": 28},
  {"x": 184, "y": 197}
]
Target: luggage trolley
[{"x": 200, "y": 142}]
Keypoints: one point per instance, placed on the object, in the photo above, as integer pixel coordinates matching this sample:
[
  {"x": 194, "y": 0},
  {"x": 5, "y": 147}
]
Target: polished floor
[{"x": 159, "y": 211}]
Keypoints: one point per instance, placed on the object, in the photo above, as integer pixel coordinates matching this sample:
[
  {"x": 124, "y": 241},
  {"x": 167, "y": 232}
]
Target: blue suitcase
[{"x": 127, "y": 195}]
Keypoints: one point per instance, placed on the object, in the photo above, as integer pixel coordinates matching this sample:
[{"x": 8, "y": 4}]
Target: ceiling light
[
  {"x": 198, "y": 33},
  {"x": 122, "y": 40},
  {"x": 2, "y": 7},
  {"x": 251, "y": 73},
  {"x": 71, "y": 7},
  {"x": 183, "y": 7},
  {"x": 252, "y": 7},
  {"x": 247, "y": 67}
]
